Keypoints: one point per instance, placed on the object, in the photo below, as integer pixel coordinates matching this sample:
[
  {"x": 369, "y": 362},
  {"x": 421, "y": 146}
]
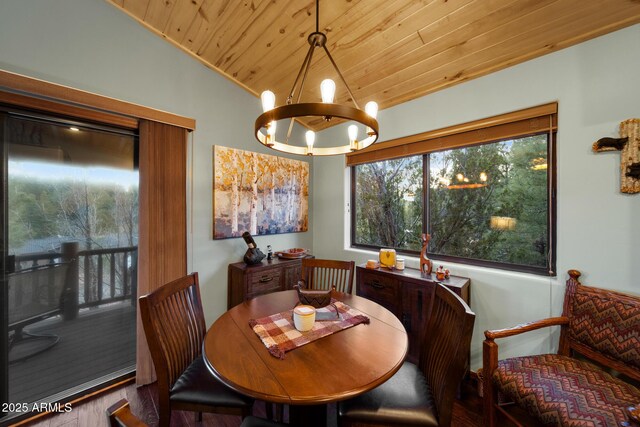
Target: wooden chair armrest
[
  {"x": 490, "y": 359},
  {"x": 525, "y": 327},
  {"x": 633, "y": 413},
  {"x": 120, "y": 415}
]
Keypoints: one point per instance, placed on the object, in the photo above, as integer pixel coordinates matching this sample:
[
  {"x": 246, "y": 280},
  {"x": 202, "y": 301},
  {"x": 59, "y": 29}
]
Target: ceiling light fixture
[{"x": 325, "y": 109}]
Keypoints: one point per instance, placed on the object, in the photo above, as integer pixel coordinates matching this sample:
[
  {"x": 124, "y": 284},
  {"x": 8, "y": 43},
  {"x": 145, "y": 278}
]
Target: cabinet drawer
[
  {"x": 383, "y": 290},
  {"x": 264, "y": 282}
]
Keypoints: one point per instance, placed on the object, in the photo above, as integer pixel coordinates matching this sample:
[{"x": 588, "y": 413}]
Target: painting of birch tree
[{"x": 258, "y": 193}]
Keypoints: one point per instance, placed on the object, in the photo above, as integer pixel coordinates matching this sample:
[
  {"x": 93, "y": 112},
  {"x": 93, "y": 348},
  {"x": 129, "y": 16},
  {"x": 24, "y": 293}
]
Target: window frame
[{"x": 548, "y": 270}]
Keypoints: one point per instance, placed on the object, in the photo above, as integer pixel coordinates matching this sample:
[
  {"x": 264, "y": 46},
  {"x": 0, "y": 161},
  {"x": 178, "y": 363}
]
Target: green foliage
[
  {"x": 459, "y": 216},
  {"x": 31, "y": 205},
  {"x": 389, "y": 203},
  {"x": 526, "y": 197}
]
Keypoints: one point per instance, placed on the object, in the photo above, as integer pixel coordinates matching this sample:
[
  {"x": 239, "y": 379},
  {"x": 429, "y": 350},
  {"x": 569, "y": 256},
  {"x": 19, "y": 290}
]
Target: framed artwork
[{"x": 258, "y": 193}]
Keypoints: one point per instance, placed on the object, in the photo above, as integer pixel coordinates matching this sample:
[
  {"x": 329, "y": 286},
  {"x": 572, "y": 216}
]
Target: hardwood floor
[{"x": 143, "y": 400}]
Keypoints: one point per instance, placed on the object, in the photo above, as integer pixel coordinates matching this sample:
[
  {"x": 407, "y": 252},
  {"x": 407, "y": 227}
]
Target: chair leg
[
  {"x": 489, "y": 365},
  {"x": 489, "y": 409},
  {"x": 269, "y": 410},
  {"x": 246, "y": 411},
  {"x": 165, "y": 417},
  {"x": 164, "y": 411},
  {"x": 275, "y": 411}
]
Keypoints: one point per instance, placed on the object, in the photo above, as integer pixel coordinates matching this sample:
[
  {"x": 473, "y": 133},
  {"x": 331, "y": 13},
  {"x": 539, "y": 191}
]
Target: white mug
[{"x": 304, "y": 316}]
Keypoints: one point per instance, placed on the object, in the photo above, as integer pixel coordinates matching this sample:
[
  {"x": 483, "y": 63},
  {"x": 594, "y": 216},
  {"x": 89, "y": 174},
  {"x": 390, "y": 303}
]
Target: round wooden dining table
[{"x": 336, "y": 367}]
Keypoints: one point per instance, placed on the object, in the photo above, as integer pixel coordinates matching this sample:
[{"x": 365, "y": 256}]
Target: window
[
  {"x": 487, "y": 202},
  {"x": 388, "y": 203}
]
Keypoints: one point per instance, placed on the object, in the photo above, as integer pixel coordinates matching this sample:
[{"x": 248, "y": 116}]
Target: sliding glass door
[{"x": 69, "y": 267}]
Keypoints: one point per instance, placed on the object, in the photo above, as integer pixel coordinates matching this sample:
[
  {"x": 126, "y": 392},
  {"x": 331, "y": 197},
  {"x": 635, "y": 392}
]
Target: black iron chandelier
[{"x": 326, "y": 109}]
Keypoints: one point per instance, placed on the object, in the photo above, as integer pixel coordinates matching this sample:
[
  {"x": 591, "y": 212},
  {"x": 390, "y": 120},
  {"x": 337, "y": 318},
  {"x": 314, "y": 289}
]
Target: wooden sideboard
[
  {"x": 248, "y": 281},
  {"x": 407, "y": 294}
]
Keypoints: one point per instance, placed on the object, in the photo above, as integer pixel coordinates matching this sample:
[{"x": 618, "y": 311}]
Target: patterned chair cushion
[
  {"x": 562, "y": 391},
  {"x": 608, "y": 325}
]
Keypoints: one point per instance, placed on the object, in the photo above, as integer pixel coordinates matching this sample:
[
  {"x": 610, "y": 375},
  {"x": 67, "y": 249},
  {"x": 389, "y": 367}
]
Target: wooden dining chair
[
  {"x": 174, "y": 325},
  {"x": 324, "y": 274},
  {"x": 421, "y": 395},
  {"x": 120, "y": 415}
]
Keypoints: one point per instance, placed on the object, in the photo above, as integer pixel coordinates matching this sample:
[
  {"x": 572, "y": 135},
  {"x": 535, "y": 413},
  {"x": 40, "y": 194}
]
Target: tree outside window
[{"x": 389, "y": 203}]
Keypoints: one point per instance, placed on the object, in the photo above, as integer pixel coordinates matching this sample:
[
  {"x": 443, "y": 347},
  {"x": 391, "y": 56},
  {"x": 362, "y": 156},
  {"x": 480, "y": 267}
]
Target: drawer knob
[{"x": 265, "y": 279}]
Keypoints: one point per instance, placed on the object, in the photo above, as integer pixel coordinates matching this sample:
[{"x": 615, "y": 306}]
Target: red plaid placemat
[{"x": 279, "y": 335}]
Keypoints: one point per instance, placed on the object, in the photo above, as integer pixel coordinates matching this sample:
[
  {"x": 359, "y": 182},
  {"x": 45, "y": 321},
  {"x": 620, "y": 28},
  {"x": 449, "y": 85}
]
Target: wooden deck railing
[
  {"x": 94, "y": 277},
  {"x": 109, "y": 275}
]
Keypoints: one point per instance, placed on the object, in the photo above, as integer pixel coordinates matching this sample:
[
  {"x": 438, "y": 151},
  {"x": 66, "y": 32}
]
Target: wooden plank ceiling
[{"x": 390, "y": 51}]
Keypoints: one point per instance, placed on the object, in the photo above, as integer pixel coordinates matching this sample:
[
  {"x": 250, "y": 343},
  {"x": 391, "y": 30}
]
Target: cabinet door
[
  {"x": 380, "y": 288},
  {"x": 292, "y": 273},
  {"x": 416, "y": 302}
]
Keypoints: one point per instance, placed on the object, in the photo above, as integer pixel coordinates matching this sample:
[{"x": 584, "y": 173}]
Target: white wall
[
  {"x": 90, "y": 45},
  {"x": 596, "y": 85}
]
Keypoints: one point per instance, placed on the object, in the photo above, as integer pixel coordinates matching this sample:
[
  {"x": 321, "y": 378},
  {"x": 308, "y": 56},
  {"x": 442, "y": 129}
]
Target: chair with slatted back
[
  {"x": 421, "y": 395},
  {"x": 174, "y": 325},
  {"x": 324, "y": 274}
]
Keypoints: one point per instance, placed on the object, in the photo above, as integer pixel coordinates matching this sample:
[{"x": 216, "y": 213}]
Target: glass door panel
[{"x": 70, "y": 266}]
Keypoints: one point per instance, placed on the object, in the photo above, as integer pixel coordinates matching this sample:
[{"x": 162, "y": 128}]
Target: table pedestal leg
[{"x": 308, "y": 416}]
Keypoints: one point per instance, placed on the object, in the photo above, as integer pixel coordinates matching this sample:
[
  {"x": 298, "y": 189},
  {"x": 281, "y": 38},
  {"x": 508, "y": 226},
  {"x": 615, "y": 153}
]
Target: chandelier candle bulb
[
  {"x": 268, "y": 99},
  {"x": 327, "y": 90},
  {"x": 310, "y": 136},
  {"x": 353, "y": 136},
  {"x": 371, "y": 108},
  {"x": 272, "y": 128}
]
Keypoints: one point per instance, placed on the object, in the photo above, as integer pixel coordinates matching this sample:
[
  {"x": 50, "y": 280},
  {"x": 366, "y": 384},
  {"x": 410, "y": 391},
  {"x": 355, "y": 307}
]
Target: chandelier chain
[
  {"x": 307, "y": 60},
  {"x": 305, "y": 66},
  {"x": 344, "y": 82}
]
